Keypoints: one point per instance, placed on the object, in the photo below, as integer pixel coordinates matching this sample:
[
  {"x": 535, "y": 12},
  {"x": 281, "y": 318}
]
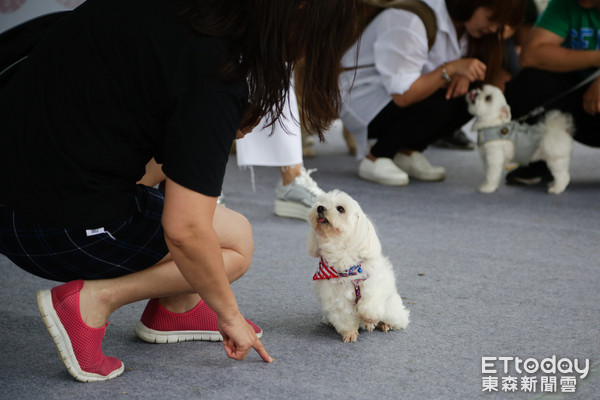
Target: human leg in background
[
  {"x": 531, "y": 88},
  {"x": 296, "y": 192},
  {"x": 456, "y": 140},
  {"x": 282, "y": 147},
  {"x": 404, "y": 133}
]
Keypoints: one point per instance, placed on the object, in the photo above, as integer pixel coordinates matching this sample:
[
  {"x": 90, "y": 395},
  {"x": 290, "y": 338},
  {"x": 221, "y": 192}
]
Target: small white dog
[
  {"x": 354, "y": 283},
  {"x": 502, "y": 141}
]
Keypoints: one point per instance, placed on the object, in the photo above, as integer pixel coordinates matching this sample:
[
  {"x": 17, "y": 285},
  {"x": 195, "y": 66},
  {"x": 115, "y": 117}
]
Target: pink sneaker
[
  {"x": 159, "y": 325},
  {"x": 78, "y": 345}
]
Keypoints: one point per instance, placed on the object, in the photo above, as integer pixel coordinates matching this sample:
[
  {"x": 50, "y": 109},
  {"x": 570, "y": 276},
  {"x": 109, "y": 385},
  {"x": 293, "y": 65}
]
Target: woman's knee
[
  {"x": 244, "y": 244},
  {"x": 235, "y": 234}
]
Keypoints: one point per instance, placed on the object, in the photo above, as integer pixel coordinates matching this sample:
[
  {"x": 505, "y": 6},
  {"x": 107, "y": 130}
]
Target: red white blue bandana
[{"x": 326, "y": 271}]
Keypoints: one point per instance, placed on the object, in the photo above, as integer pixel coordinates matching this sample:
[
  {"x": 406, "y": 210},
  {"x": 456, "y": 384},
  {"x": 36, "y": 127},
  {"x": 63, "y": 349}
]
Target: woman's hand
[
  {"x": 470, "y": 68},
  {"x": 239, "y": 337},
  {"x": 458, "y": 87},
  {"x": 461, "y": 72}
]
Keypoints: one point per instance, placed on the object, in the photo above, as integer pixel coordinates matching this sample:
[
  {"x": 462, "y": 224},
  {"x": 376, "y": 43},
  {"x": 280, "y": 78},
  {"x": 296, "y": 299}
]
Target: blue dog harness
[{"x": 526, "y": 138}]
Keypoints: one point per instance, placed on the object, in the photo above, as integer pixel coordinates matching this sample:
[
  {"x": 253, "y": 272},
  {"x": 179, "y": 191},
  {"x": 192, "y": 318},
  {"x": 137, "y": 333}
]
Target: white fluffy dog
[
  {"x": 354, "y": 283},
  {"x": 502, "y": 142}
]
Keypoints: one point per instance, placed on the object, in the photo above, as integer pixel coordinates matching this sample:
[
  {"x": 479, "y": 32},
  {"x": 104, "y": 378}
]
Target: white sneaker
[
  {"x": 296, "y": 199},
  {"x": 417, "y": 166},
  {"x": 382, "y": 171}
]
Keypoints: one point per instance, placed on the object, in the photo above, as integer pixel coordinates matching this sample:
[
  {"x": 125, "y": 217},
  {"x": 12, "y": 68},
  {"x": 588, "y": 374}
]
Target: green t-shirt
[{"x": 580, "y": 27}]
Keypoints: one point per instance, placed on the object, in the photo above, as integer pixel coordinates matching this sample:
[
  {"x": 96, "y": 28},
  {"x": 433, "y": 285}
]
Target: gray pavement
[{"x": 509, "y": 275}]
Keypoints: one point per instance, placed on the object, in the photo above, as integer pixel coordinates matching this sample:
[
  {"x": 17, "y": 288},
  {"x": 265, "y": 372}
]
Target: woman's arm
[
  {"x": 194, "y": 246},
  {"x": 422, "y": 88},
  {"x": 470, "y": 69},
  {"x": 153, "y": 175}
]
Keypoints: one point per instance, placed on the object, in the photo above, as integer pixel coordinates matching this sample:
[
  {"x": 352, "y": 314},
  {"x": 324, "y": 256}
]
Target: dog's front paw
[
  {"x": 487, "y": 188},
  {"x": 368, "y": 323},
  {"x": 369, "y": 326},
  {"x": 349, "y": 337}
]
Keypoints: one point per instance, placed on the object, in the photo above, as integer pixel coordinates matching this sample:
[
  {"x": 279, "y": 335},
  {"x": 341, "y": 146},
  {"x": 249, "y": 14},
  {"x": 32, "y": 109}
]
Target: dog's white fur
[
  {"x": 490, "y": 109},
  {"x": 344, "y": 236}
]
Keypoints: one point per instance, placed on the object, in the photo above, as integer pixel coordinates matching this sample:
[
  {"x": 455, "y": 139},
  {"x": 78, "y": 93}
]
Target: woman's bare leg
[
  {"x": 289, "y": 173},
  {"x": 99, "y": 298}
]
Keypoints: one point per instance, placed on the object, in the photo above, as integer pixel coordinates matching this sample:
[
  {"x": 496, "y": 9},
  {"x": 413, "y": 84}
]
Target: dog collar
[{"x": 326, "y": 271}]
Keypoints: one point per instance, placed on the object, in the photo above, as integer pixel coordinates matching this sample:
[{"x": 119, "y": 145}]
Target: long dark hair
[
  {"x": 269, "y": 39},
  {"x": 488, "y": 48}
]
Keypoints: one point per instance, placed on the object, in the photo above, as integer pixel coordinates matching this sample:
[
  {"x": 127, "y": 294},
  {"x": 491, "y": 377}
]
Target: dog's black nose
[{"x": 320, "y": 209}]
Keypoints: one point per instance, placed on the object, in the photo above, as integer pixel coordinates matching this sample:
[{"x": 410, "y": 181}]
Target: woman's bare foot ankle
[
  {"x": 180, "y": 304},
  {"x": 94, "y": 304}
]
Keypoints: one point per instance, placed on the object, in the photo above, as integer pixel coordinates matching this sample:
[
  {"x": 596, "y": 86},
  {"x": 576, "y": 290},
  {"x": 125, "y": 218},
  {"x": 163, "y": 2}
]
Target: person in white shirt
[{"x": 406, "y": 96}]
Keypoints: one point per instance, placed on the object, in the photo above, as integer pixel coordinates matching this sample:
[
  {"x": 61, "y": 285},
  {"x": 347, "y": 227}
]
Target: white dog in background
[
  {"x": 354, "y": 283},
  {"x": 502, "y": 142}
]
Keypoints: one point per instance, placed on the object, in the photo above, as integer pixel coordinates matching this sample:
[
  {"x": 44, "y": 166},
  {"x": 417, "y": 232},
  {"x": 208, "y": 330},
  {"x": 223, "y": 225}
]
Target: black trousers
[
  {"x": 417, "y": 126},
  {"x": 531, "y": 88}
]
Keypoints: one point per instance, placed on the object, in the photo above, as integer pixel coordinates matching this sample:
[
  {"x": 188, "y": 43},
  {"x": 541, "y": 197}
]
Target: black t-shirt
[{"x": 113, "y": 84}]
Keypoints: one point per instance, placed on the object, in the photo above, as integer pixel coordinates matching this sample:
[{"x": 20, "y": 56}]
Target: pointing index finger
[{"x": 262, "y": 352}]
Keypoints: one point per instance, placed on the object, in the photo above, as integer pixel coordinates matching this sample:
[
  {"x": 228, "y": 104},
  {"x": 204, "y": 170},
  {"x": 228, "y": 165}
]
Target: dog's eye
[
  {"x": 488, "y": 97},
  {"x": 341, "y": 209}
]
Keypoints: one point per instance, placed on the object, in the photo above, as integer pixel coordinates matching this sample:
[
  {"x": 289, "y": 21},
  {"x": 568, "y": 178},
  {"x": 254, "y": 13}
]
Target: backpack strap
[
  {"x": 424, "y": 12},
  {"x": 417, "y": 7},
  {"x": 420, "y": 8}
]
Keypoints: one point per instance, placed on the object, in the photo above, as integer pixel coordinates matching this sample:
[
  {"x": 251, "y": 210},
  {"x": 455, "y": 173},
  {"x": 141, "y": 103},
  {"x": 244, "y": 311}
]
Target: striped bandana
[{"x": 328, "y": 272}]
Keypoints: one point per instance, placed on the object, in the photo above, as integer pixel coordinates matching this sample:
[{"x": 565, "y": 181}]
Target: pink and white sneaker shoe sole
[
  {"x": 159, "y": 325},
  {"x": 78, "y": 345}
]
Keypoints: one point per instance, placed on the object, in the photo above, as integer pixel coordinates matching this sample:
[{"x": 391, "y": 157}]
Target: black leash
[{"x": 539, "y": 110}]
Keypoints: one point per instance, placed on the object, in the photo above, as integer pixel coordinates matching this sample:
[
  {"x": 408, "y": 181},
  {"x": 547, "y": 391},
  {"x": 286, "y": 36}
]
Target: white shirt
[
  {"x": 276, "y": 147},
  {"x": 395, "y": 50}
]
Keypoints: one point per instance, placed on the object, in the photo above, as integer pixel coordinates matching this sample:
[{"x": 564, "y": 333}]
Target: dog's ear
[
  {"x": 367, "y": 242},
  {"x": 312, "y": 244},
  {"x": 505, "y": 113}
]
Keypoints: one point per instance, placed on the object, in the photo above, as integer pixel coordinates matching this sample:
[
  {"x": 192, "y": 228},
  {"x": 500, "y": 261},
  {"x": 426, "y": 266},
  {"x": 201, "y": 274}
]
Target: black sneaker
[
  {"x": 457, "y": 140},
  {"x": 533, "y": 174}
]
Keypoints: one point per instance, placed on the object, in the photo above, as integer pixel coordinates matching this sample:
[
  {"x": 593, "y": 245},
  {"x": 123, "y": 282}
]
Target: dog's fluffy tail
[
  {"x": 557, "y": 141},
  {"x": 559, "y": 121}
]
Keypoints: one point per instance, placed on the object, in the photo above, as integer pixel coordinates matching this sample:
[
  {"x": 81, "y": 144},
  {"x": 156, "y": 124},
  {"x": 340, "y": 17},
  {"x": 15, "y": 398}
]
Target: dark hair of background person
[
  {"x": 489, "y": 48},
  {"x": 270, "y": 38}
]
